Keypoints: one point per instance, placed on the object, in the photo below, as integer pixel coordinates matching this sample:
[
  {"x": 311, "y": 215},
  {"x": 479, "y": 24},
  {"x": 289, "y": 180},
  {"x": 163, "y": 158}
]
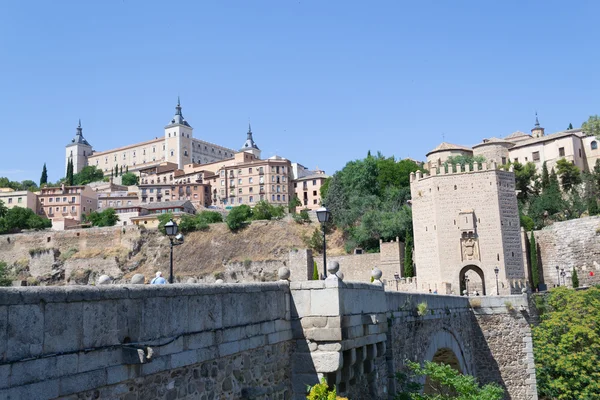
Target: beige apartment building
[
  {"x": 148, "y": 213},
  {"x": 66, "y": 205},
  {"x": 308, "y": 189},
  {"x": 19, "y": 198}
]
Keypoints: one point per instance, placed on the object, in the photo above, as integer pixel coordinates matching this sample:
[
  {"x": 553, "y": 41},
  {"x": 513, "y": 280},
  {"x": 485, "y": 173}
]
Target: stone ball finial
[
  {"x": 191, "y": 280},
  {"x": 376, "y": 273},
  {"x": 340, "y": 275},
  {"x": 219, "y": 282},
  {"x": 333, "y": 267},
  {"x": 284, "y": 274},
  {"x": 104, "y": 280},
  {"x": 138, "y": 279},
  {"x": 524, "y": 290},
  {"x": 465, "y": 292}
]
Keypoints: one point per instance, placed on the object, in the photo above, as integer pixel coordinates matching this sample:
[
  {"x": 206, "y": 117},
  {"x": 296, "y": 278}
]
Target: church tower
[
  {"x": 78, "y": 151},
  {"x": 249, "y": 145},
  {"x": 537, "y": 131},
  {"x": 178, "y": 139}
]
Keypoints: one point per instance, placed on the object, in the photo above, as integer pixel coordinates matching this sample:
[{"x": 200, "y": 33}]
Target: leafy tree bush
[
  {"x": 5, "y": 279},
  {"x": 162, "y": 220},
  {"x": 574, "y": 278},
  {"x": 294, "y": 202},
  {"x": 3, "y": 209},
  {"x": 302, "y": 217},
  {"x": 592, "y": 126},
  {"x": 69, "y": 178},
  {"x": 210, "y": 217},
  {"x": 106, "y": 217},
  {"x": 321, "y": 391},
  {"x": 264, "y": 210},
  {"x": 88, "y": 174},
  {"x": 19, "y": 218},
  {"x": 570, "y": 176},
  {"x": 130, "y": 179},
  {"x": 567, "y": 345},
  {"x": 463, "y": 160},
  {"x": 315, "y": 241},
  {"x": 238, "y": 216},
  {"x": 445, "y": 383},
  {"x": 24, "y": 185}
]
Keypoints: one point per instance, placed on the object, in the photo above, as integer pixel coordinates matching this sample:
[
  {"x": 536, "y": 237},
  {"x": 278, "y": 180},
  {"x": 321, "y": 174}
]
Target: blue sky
[{"x": 321, "y": 81}]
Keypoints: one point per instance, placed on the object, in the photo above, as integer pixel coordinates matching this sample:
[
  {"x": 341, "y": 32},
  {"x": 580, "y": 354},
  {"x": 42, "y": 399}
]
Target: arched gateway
[{"x": 472, "y": 280}]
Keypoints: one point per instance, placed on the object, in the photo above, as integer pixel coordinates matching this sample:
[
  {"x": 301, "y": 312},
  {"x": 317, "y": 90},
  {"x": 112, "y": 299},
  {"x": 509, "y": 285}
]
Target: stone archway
[
  {"x": 471, "y": 278},
  {"x": 445, "y": 348}
]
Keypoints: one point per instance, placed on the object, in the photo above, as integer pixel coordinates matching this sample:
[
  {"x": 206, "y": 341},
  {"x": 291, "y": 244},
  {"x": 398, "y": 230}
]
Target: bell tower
[
  {"x": 249, "y": 145},
  {"x": 78, "y": 151},
  {"x": 537, "y": 131},
  {"x": 178, "y": 139}
]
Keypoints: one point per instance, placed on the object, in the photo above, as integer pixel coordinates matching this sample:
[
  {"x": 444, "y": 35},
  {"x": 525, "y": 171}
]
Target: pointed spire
[
  {"x": 79, "y": 129},
  {"x": 178, "y": 107},
  {"x": 537, "y": 123}
]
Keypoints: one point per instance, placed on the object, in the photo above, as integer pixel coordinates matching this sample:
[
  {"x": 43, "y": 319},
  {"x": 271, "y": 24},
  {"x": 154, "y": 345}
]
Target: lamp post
[
  {"x": 563, "y": 273},
  {"x": 496, "y": 270},
  {"x": 175, "y": 239},
  {"x": 324, "y": 215},
  {"x": 397, "y": 279},
  {"x": 557, "y": 276},
  {"x": 467, "y": 284}
]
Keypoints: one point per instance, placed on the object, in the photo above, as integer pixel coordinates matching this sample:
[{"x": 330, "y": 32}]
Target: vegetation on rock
[{"x": 106, "y": 217}]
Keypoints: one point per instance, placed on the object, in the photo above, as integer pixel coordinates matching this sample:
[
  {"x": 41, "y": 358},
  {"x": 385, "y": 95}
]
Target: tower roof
[
  {"x": 444, "y": 146},
  {"x": 249, "y": 143},
  {"x": 79, "y": 139},
  {"x": 178, "y": 118},
  {"x": 537, "y": 122}
]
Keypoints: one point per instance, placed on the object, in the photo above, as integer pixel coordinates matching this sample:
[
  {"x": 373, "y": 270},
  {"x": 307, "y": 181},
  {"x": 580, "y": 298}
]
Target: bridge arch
[{"x": 445, "y": 347}]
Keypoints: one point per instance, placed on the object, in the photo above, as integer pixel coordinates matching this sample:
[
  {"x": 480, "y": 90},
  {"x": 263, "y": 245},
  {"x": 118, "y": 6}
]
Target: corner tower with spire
[
  {"x": 249, "y": 145},
  {"x": 78, "y": 150},
  {"x": 178, "y": 139},
  {"x": 537, "y": 131}
]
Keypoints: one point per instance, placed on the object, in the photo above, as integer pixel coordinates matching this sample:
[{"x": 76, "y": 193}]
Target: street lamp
[
  {"x": 557, "y": 276},
  {"x": 496, "y": 270},
  {"x": 467, "y": 284},
  {"x": 324, "y": 215},
  {"x": 562, "y": 273},
  {"x": 397, "y": 279},
  {"x": 175, "y": 239}
]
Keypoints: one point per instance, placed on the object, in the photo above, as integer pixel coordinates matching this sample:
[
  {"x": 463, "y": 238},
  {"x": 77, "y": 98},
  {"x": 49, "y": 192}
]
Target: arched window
[{"x": 594, "y": 145}]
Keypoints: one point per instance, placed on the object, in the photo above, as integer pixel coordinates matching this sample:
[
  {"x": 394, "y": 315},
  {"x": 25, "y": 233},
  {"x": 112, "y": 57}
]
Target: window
[
  {"x": 49, "y": 200},
  {"x": 283, "y": 197},
  {"x": 134, "y": 153},
  {"x": 239, "y": 171},
  {"x": 249, "y": 170},
  {"x": 250, "y": 180},
  {"x": 579, "y": 153},
  {"x": 57, "y": 199},
  {"x": 516, "y": 159},
  {"x": 240, "y": 181},
  {"x": 19, "y": 200},
  {"x": 185, "y": 153},
  {"x": 314, "y": 182},
  {"x": 240, "y": 191},
  {"x": 594, "y": 145},
  {"x": 154, "y": 149},
  {"x": 10, "y": 200},
  {"x": 222, "y": 182},
  {"x": 315, "y": 201},
  {"x": 172, "y": 153},
  {"x": 250, "y": 198},
  {"x": 561, "y": 151},
  {"x": 314, "y": 192},
  {"x": 64, "y": 199},
  {"x": 278, "y": 198},
  {"x": 503, "y": 160},
  {"x": 72, "y": 199},
  {"x": 250, "y": 190},
  {"x": 239, "y": 198},
  {"x": 272, "y": 197}
]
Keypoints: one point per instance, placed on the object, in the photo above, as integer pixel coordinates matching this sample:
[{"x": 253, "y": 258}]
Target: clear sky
[{"x": 321, "y": 81}]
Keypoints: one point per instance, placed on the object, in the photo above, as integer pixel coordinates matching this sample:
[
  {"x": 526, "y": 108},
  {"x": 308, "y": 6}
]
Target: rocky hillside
[{"x": 80, "y": 256}]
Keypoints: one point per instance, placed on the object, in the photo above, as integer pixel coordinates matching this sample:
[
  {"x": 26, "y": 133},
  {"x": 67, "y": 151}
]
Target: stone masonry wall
[
  {"x": 570, "y": 244},
  {"x": 61, "y": 341}
]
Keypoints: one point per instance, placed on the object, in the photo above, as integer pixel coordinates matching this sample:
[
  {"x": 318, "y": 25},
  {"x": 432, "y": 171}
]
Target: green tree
[
  {"x": 70, "y": 176},
  {"x": 88, "y": 174},
  {"x": 570, "y": 176},
  {"x": 592, "y": 126},
  {"x": 264, "y": 210},
  {"x": 29, "y": 185},
  {"x": 525, "y": 176},
  {"x": 3, "y": 209},
  {"x": 408, "y": 256},
  {"x": 444, "y": 383},
  {"x": 210, "y": 217},
  {"x": 238, "y": 216},
  {"x": 567, "y": 345},
  {"x": 19, "y": 218},
  {"x": 570, "y": 126},
  {"x": 121, "y": 171},
  {"x": 533, "y": 260},
  {"x": 107, "y": 217},
  {"x": 129, "y": 179},
  {"x": 574, "y": 279},
  {"x": 294, "y": 202},
  {"x": 545, "y": 176},
  {"x": 5, "y": 279},
  {"x": 324, "y": 188},
  {"x": 44, "y": 177},
  {"x": 315, "y": 276},
  {"x": 162, "y": 220}
]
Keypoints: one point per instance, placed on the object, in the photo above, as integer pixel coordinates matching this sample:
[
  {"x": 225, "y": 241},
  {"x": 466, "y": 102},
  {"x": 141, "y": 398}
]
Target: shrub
[
  {"x": 5, "y": 279},
  {"x": 129, "y": 179},
  {"x": 107, "y": 217},
  {"x": 422, "y": 309},
  {"x": 321, "y": 391},
  {"x": 265, "y": 210},
  {"x": 68, "y": 254},
  {"x": 315, "y": 276},
  {"x": 247, "y": 263},
  {"x": 315, "y": 241},
  {"x": 574, "y": 278},
  {"x": 238, "y": 216},
  {"x": 302, "y": 217},
  {"x": 508, "y": 305}
]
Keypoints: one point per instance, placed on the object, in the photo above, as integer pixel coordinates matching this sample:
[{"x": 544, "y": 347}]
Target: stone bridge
[{"x": 250, "y": 341}]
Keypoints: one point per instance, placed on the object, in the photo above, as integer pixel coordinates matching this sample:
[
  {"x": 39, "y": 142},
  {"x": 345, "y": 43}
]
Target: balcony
[{"x": 261, "y": 172}]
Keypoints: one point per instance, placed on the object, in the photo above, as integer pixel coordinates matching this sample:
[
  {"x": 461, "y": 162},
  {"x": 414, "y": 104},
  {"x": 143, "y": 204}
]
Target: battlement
[{"x": 456, "y": 169}]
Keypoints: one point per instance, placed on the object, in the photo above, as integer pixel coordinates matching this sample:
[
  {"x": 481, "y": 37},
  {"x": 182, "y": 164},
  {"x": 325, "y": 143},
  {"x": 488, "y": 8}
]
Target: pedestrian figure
[{"x": 158, "y": 280}]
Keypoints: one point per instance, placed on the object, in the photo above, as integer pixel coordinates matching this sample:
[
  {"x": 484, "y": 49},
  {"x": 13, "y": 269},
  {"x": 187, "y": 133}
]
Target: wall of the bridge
[{"x": 249, "y": 341}]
